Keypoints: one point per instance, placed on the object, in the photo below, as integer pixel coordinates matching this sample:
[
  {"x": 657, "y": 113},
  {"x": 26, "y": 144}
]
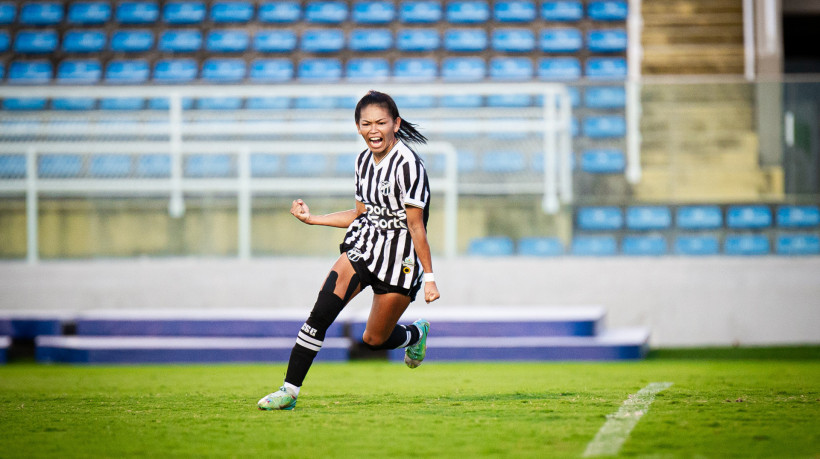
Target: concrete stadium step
[
  {"x": 145, "y": 349},
  {"x": 29, "y": 324}
]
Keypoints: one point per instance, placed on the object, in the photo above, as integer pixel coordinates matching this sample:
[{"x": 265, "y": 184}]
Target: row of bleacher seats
[
  {"x": 785, "y": 243},
  {"x": 328, "y": 12},
  {"x": 506, "y": 40}
]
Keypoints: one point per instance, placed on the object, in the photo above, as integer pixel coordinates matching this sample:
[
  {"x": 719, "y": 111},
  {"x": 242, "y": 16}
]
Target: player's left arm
[{"x": 418, "y": 233}]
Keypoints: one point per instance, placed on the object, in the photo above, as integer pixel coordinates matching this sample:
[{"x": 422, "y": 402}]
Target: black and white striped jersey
[{"x": 380, "y": 236}]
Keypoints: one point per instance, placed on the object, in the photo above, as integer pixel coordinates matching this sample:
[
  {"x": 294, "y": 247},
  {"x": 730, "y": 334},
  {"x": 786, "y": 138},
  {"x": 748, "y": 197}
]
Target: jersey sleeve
[{"x": 412, "y": 181}]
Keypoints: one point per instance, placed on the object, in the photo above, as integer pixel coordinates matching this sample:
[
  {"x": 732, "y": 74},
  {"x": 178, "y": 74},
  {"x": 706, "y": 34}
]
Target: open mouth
[{"x": 375, "y": 142}]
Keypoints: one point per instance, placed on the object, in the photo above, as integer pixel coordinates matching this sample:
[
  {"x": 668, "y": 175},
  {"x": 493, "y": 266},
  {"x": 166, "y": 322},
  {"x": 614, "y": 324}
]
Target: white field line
[{"x": 616, "y": 430}]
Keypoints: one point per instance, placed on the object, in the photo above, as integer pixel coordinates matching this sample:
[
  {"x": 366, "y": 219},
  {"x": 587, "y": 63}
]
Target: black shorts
[{"x": 379, "y": 286}]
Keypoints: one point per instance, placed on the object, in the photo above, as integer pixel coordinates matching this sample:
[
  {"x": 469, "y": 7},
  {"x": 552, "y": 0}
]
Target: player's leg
[{"x": 384, "y": 332}]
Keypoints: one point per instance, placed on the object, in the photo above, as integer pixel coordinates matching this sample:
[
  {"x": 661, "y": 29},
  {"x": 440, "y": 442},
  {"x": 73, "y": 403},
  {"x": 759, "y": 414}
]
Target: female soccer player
[{"x": 385, "y": 247}]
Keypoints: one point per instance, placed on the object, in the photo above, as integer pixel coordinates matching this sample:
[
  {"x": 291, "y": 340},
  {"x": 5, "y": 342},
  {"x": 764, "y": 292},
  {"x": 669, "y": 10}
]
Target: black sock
[
  {"x": 311, "y": 337},
  {"x": 401, "y": 336}
]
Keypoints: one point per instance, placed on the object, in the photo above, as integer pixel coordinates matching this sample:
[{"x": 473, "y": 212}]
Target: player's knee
[{"x": 372, "y": 340}]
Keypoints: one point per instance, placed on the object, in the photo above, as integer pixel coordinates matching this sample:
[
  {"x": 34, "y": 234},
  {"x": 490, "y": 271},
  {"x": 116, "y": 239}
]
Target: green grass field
[{"x": 729, "y": 403}]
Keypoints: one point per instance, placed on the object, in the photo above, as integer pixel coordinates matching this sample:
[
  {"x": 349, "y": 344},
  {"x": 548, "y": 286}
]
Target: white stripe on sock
[
  {"x": 310, "y": 339},
  {"x": 307, "y": 345},
  {"x": 409, "y": 337}
]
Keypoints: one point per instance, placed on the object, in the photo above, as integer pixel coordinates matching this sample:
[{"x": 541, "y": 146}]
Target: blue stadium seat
[
  {"x": 122, "y": 103},
  {"x": 320, "y": 70},
  {"x": 329, "y": 12},
  {"x": 420, "y": 12},
  {"x": 467, "y": 161},
  {"x": 271, "y": 70},
  {"x": 491, "y": 246},
  {"x": 316, "y": 103},
  {"x": 603, "y": 161},
  {"x": 418, "y": 40},
  {"x": 109, "y": 166},
  {"x": 163, "y": 103},
  {"x": 25, "y": 103},
  {"x": 415, "y": 69},
  {"x": 514, "y": 10},
  {"x": 462, "y": 100},
  {"x": 749, "y": 217},
  {"x": 84, "y": 41},
  {"x": 559, "y": 68},
  {"x": 279, "y": 12},
  {"x": 417, "y": 101},
  {"x": 563, "y": 40},
  {"x": 209, "y": 166},
  {"x": 606, "y": 68},
  {"x": 575, "y": 127},
  {"x": 322, "y": 40},
  {"x": 645, "y": 218},
  {"x": 511, "y": 68},
  {"x": 375, "y": 69},
  {"x": 463, "y": 69},
  {"x": 607, "y": 10},
  {"x": 215, "y": 70},
  {"x": 467, "y": 12},
  {"x": 5, "y": 44},
  {"x": 605, "y": 97},
  {"x": 184, "y": 12},
  {"x": 227, "y": 41},
  {"x": 274, "y": 41},
  {"x": 345, "y": 164},
  {"x": 87, "y": 13},
  {"x": 127, "y": 71},
  {"x": 12, "y": 166},
  {"x": 265, "y": 165},
  {"x": 798, "y": 216},
  {"x": 137, "y": 12},
  {"x": 746, "y": 244},
  {"x": 571, "y": 10},
  {"x": 540, "y": 246},
  {"x": 513, "y": 40},
  {"x": 367, "y": 40},
  {"x": 219, "y": 103},
  {"x": 306, "y": 164},
  {"x": 132, "y": 41},
  {"x": 234, "y": 11},
  {"x": 604, "y": 127},
  {"x": 180, "y": 41},
  {"x": 574, "y": 96},
  {"x": 41, "y": 13},
  {"x": 175, "y": 70},
  {"x": 797, "y": 244},
  {"x": 373, "y": 12},
  {"x": 153, "y": 166},
  {"x": 599, "y": 218},
  {"x": 594, "y": 246},
  {"x": 461, "y": 40},
  {"x": 503, "y": 162},
  {"x": 79, "y": 71},
  {"x": 268, "y": 103},
  {"x": 606, "y": 40},
  {"x": 30, "y": 72},
  {"x": 59, "y": 166},
  {"x": 8, "y": 12},
  {"x": 652, "y": 245},
  {"x": 35, "y": 42},
  {"x": 697, "y": 245},
  {"x": 509, "y": 100},
  {"x": 699, "y": 217}
]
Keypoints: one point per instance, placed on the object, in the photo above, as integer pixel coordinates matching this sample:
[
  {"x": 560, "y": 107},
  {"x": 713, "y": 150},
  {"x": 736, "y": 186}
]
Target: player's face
[{"x": 378, "y": 128}]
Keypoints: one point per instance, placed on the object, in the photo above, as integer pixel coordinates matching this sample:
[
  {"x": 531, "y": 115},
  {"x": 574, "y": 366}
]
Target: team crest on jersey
[
  {"x": 407, "y": 265},
  {"x": 384, "y": 187},
  {"x": 354, "y": 255}
]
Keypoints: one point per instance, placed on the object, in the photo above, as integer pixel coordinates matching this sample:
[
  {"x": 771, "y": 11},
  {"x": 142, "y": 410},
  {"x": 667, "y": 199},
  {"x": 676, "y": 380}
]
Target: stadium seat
[
  {"x": 175, "y": 70},
  {"x": 797, "y": 244},
  {"x": 233, "y": 11},
  {"x": 652, "y": 245},
  {"x": 604, "y": 68},
  {"x": 605, "y": 97},
  {"x": 603, "y": 218},
  {"x": 274, "y": 41},
  {"x": 511, "y": 68},
  {"x": 271, "y": 70},
  {"x": 164, "y": 104},
  {"x": 472, "y": 12},
  {"x": 412, "y": 40},
  {"x": 540, "y": 246},
  {"x": 369, "y": 40},
  {"x": 132, "y": 41},
  {"x": 345, "y": 164},
  {"x": 559, "y": 69},
  {"x": 594, "y": 246},
  {"x": 574, "y": 96},
  {"x": 268, "y": 103},
  {"x": 571, "y": 10},
  {"x": 467, "y": 161},
  {"x": 59, "y": 166},
  {"x": 35, "y": 42},
  {"x": 25, "y": 103},
  {"x": 219, "y": 103},
  {"x": 563, "y": 40},
  {"x": 606, "y": 41},
  {"x": 153, "y": 166},
  {"x": 227, "y": 41},
  {"x": 748, "y": 217},
  {"x": 5, "y": 44},
  {"x": 373, "y": 12},
  {"x": 279, "y": 12},
  {"x": 209, "y": 166},
  {"x": 216, "y": 70},
  {"x": 697, "y": 245},
  {"x": 462, "y": 100},
  {"x": 463, "y": 69},
  {"x": 415, "y": 69},
  {"x": 643, "y": 218},
  {"x": 509, "y": 100},
  {"x": 513, "y": 40},
  {"x": 329, "y": 12},
  {"x": 41, "y": 13},
  {"x": 184, "y": 12},
  {"x": 603, "y": 161},
  {"x": 109, "y": 166},
  {"x": 417, "y": 101},
  {"x": 491, "y": 246},
  {"x": 320, "y": 70},
  {"x": 465, "y": 40},
  {"x": 746, "y": 244},
  {"x": 265, "y": 165},
  {"x": 79, "y": 71},
  {"x": 88, "y": 13},
  {"x": 12, "y": 166},
  {"x": 305, "y": 164},
  {"x": 122, "y": 103},
  {"x": 180, "y": 41},
  {"x": 420, "y": 12},
  {"x": 84, "y": 41},
  {"x": 699, "y": 217},
  {"x": 375, "y": 69},
  {"x": 316, "y": 103},
  {"x": 322, "y": 40},
  {"x": 29, "y": 72},
  {"x": 137, "y": 12},
  {"x": 607, "y": 10},
  {"x": 604, "y": 127},
  {"x": 514, "y": 11},
  {"x": 503, "y": 162},
  {"x": 798, "y": 216},
  {"x": 127, "y": 71},
  {"x": 8, "y": 12}
]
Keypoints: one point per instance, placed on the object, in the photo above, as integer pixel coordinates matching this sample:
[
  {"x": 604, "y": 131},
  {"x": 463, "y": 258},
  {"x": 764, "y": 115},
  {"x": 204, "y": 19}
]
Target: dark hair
[{"x": 407, "y": 130}]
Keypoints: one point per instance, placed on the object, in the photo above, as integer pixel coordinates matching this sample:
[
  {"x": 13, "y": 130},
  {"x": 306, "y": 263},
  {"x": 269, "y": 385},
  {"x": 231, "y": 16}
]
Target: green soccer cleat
[
  {"x": 413, "y": 355},
  {"x": 279, "y": 400}
]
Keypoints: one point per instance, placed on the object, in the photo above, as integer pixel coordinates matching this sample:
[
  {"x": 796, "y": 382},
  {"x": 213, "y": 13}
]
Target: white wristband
[{"x": 429, "y": 277}]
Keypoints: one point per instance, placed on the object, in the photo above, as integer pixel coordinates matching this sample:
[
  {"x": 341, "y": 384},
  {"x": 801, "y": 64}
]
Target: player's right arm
[{"x": 341, "y": 219}]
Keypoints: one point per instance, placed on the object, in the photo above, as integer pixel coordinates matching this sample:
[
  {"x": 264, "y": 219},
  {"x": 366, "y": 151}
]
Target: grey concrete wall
[{"x": 684, "y": 301}]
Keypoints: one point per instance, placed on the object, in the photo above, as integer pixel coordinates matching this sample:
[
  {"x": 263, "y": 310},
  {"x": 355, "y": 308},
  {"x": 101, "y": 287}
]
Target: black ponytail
[{"x": 407, "y": 130}]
